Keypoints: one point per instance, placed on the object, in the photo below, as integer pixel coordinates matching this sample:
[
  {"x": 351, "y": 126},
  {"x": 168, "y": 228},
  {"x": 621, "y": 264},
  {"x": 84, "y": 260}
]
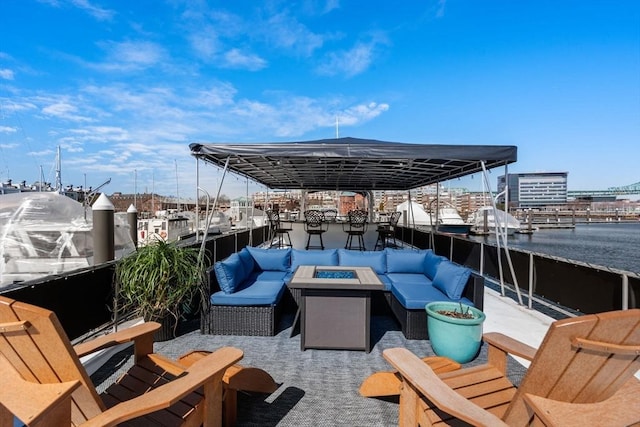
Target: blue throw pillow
[
  {"x": 230, "y": 273},
  {"x": 405, "y": 261},
  {"x": 271, "y": 259},
  {"x": 377, "y": 260},
  {"x": 451, "y": 279},
  {"x": 431, "y": 263},
  {"x": 323, "y": 257},
  {"x": 247, "y": 260}
]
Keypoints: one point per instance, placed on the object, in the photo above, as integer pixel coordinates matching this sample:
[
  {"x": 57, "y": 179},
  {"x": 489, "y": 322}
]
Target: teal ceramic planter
[{"x": 457, "y": 339}]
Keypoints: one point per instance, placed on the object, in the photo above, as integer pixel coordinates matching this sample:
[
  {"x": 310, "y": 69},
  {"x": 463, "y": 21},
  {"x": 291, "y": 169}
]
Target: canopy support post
[
  {"x": 213, "y": 209},
  {"x": 501, "y": 235}
]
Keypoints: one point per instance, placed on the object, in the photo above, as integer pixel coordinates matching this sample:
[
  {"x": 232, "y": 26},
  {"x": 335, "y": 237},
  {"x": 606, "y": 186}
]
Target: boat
[
  {"x": 483, "y": 221},
  {"x": 446, "y": 220},
  {"x": 167, "y": 226},
  {"x": 307, "y": 393},
  {"x": 218, "y": 223},
  {"x": 45, "y": 233}
]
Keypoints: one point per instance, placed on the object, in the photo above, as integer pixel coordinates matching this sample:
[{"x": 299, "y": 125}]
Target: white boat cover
[
  {"x": 476, "y": 219},
  {"x": 44, "y": 233}
]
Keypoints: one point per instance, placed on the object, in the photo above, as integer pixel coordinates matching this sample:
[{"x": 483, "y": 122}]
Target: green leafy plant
[{"x": 160, "y": 280}]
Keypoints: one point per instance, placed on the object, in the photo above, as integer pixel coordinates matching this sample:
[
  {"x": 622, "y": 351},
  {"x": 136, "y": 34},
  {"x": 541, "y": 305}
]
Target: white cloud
[
  {"x": 8, "y": 129},
  {"x": 285, "y": 32},
  {"x": 234, "y": 58},
  {"x": 217, "y": 96},
  {"x": 6, "y": 74},
  {"x": 130, "y": 56},
  {"x": 205, "y": 43},
  {"x": 348, "y": 63},
  {"x": 362, "y": 113},
  {"x": 64, "y": 110},
  {"x": 441, "y": 7},
  {"x": 293, "y": 116},
  {"x": 101, "y": 14}
]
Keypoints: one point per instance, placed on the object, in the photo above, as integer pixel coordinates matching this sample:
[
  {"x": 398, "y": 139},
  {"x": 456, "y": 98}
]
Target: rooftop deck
[{"x": 320, "y": 387}]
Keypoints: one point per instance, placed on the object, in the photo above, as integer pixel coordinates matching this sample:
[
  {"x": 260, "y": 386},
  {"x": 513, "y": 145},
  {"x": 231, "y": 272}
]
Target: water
[{"x": 615, "y": 245}]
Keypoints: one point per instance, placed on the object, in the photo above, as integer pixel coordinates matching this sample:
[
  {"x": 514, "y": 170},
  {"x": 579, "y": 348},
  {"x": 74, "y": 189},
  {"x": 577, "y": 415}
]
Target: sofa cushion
[
  {"x": 271, "y": 259},
  {"x": 405, "y": 260},
  {"x": 230, "y": 273},
  {"x": 386, "y": 282},
  {"x": 270, "y": 276},
  {"x": 431, "y": 262},
  {"x": 414, "y": 296},
  {"x": 261, "y": 292},
  {"x": 377, "y": 260},
  {"x": 247, "y": 260},
  {"x": 451, "y": 279},
  {"x": 314, "y": 257},
  {"x": 409, "y": 278}
]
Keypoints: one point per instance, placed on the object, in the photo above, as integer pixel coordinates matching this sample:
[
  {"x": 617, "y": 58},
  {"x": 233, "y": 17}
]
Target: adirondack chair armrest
[
  {"x": 141, "y": 335},
  {"x": 34, "y": 403},
  {"x": 623, "y": 408},
  {"x": 508, "y": 345},
  {"x": 417, "y": 375},
  {"x": 207, "y": 372}
]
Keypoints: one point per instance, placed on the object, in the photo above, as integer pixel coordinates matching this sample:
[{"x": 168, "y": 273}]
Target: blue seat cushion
[
  {"x": 315, "y": 257},
  {"x": 261, "y": 292},
  {"x": 230, "y": 273},
  {"x": 431, "y": 263},
  {"x": 386, "y": 282},
  {"x": 409, "y": 278},
  {"x": 269, "y": 276},
  {"x": 405, "y": 260},
  {"x": 414, "y": 296},
  {"x": 451, "y": 279},
  {"x": 271, "y": 259},
  {"x": 377, "y": 260}
]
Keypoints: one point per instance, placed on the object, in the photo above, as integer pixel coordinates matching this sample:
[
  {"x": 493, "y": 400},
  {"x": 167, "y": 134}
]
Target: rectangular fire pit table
[{"x": 335, "y": 306}]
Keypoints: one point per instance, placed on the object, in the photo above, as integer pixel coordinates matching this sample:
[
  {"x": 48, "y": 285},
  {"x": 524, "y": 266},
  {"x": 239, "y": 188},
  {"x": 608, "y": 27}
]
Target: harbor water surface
[{"x": 614, "y": 245}]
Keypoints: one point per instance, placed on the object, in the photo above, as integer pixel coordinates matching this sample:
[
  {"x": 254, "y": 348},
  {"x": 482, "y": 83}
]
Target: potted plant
[
  {"x": 455, "y": 330},
  {"x": 159, "y": 283}
]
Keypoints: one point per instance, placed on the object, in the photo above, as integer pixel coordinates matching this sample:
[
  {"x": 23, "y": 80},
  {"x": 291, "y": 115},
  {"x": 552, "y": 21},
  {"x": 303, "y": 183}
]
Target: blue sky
[{"x": 123, "y": 87}]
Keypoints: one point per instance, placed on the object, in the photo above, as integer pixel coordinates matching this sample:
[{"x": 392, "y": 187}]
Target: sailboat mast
[
  {"x": 58, "y": 172},
  {"x": 177, "y": 188}
]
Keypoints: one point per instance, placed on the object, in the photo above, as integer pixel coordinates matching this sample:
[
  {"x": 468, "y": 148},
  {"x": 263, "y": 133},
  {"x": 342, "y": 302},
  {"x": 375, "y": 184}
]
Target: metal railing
[
  {"x": 83, "y": 299},
  {"x": 578, "y": 286}
]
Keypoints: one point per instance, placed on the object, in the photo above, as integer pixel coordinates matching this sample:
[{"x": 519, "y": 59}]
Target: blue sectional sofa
[{"x": 249, "y": 287}]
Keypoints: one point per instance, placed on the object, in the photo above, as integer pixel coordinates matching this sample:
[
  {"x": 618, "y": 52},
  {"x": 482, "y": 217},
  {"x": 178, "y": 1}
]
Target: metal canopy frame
[{"x": 352, "y": 164}]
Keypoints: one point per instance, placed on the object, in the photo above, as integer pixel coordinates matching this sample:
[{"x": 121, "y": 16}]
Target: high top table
[{"x": 335, "y": 306}]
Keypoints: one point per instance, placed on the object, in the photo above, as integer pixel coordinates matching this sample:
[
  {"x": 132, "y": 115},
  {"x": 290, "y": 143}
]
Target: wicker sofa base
[
  {"x": 412, "y": 322},
  {"x": 241, "y": 320}
]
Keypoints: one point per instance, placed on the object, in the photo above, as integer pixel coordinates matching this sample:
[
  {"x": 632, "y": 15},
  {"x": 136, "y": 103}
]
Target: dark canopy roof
[{"x": 351, "y": 163}]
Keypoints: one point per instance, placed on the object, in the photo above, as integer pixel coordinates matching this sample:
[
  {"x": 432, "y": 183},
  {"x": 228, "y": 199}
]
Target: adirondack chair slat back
[
  {"x": 563, "y": 371},
  {"x": 41, "y": 352}
]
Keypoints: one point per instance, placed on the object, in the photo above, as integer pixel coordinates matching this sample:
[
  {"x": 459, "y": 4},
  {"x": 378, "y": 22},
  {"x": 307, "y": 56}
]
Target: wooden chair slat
[
  {"x": 563, "y": 378},
  {"x": 35, "y": 345}
]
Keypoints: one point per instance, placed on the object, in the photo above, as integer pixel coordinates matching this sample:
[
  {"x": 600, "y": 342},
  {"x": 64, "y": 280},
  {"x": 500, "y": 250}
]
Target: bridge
[{"x": 611, "y": 191}]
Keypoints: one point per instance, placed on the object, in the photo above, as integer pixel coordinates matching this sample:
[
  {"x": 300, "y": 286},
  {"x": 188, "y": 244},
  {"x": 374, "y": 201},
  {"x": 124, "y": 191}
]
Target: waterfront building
[{"x": 534, "y": 190}]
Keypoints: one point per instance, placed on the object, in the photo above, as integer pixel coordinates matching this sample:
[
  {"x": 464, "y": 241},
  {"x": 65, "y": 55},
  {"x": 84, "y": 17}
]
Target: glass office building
[{"x": 534, "y": 190}]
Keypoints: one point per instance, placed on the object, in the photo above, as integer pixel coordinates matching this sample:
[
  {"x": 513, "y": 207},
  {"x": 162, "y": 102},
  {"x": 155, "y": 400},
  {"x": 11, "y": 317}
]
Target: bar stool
[
  {"x": 387, "y": 230},
  {"x": 277, "y": 231},
  {"x": 314, "y": 225},
  {"x": 356, "y": 225}
]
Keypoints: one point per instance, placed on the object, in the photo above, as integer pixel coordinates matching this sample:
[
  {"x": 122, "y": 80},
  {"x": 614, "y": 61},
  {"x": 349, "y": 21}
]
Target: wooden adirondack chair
[
  {"x": 44, "y": 383},
  {"x": 582, "y": 374}
]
